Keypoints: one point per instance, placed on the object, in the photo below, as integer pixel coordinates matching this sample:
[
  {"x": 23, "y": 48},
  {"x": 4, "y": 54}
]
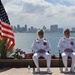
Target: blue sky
[
  {"x": 53, "y": 1},
  {"x": 64, "y": 2},
  {"x": 38, "y": 13}
]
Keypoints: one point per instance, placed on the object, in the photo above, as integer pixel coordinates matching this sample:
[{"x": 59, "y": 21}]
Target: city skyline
[
  {"x": 32, "y": 29},
  {"x": 41, "y": 12}
]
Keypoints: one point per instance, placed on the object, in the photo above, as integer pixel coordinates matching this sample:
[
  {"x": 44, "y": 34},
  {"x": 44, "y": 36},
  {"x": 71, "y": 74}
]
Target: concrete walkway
[{"x": 24, "y": 71}]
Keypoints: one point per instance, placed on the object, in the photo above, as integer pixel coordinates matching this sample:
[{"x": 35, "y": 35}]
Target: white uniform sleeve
[
  {"x": 74, "y": 46},
  {"x": 48, "y": 47},
  {"x": 34, "y": 47},
  {"x": 60, "y": 46}
]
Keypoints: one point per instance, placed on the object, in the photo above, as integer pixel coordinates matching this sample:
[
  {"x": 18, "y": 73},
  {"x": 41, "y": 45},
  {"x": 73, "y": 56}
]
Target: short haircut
[
  {"x": 41, "y": 32},
  {"x": 67, "y": 30}
]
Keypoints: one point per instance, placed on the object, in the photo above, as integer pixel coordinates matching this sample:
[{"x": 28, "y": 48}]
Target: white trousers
[
  {"x": 65, "y": 57},
  {"x": 46, "y": 55}
]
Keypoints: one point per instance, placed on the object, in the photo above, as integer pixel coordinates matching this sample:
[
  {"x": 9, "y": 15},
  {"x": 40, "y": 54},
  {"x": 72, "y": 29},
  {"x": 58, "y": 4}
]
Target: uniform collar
[
  {"x": 67, "y": 38},
  {"x": 41, "y": 39}
]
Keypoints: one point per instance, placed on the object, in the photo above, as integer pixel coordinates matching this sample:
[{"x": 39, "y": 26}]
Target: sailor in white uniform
[
  {"x": 41, "y": 47},
  {"x": 67, "y": 47}
]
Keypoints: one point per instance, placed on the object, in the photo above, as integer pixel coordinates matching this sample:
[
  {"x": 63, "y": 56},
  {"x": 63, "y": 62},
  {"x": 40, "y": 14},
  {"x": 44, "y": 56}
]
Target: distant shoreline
[
  {"x": 45, "y": 32},
  {"x": 36, "y": 32}
]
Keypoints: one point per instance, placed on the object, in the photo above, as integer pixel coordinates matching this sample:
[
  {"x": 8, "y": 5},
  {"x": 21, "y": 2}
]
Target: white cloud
[
  {"x": 71, "y": 1},
  {"x": 39, "y": 12}
]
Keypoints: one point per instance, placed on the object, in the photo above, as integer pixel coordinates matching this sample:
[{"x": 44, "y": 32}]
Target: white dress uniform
[
  {"x": 63, "y": 44},
  {"x": 41, "y": 44}
]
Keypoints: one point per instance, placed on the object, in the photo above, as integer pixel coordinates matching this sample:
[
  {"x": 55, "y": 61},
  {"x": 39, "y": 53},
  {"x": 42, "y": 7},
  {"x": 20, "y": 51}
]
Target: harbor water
[{"x": 24, "y": 41}]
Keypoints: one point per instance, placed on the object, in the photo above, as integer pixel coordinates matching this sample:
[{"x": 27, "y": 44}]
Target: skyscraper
[
  {"x": 25, "y": 28},
  {"x": 54, "y": 28}
]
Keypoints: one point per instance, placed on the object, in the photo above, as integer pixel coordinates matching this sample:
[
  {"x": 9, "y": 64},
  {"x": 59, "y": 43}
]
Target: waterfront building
[{"x": 54, "y": 28}]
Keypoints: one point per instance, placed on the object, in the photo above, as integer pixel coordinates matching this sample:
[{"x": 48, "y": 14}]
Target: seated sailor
[
  {"x": 67, "y": 47},
  {"x": 41, "y": 47}
]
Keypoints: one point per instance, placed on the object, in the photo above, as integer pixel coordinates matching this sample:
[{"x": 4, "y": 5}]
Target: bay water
[{"x": 24, "y": 41}]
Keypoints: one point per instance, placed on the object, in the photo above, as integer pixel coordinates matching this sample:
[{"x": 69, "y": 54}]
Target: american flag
[{"x": 5, "y": 28}]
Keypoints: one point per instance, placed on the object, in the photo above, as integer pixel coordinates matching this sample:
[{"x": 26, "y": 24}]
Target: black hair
[
  {"x": 41, "y": 32},
  {"x": 67, "y": 30}
]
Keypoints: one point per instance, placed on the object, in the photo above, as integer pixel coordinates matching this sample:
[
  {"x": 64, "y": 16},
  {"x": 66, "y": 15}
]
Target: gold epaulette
[
  {"x": 36, "y": 38},
  {"x": 72, "y": 38},
  {"x": 45, "y": 39}
]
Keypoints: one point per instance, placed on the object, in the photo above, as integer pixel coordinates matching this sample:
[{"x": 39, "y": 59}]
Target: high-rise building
[
  {"x": 32, "y": 29},
  {"x": 73, "y": 29},
  {"x": 25, "y": 28},
  {"x": 44, "y": 28},
  {"x": 60, "y": 30},
  {"x": 15, "y": 29},
  {"x": 18, "y": 28},
  {"x": 54, "y": 28}
]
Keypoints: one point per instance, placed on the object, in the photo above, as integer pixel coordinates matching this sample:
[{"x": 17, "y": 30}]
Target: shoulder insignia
[
  {"x": 72, "y": 38},
  {"x": 36, "y": 39},
  {"x": 62, "y": 38},
  {"x": 45, "y": 39}
]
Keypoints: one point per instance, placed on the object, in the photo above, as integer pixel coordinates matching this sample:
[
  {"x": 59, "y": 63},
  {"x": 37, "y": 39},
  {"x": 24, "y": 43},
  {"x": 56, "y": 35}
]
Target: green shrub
[{"x": 3, "y": 50}]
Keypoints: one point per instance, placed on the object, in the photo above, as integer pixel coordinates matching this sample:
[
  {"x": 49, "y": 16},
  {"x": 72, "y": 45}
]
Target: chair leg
[
  {"x": 61, "y": 69},
  {"x": 60, "y": 63},
  {"x": 33, "y": 69}
]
